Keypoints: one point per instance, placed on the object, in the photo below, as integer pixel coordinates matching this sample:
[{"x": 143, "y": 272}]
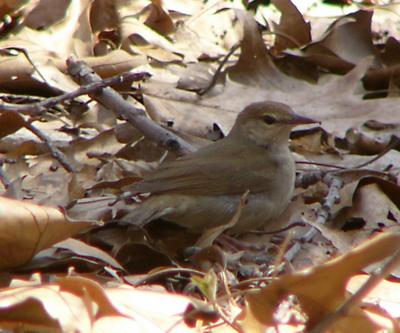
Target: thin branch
[
  {"x": 34, "y": 109},
  {"x": 157, "y": 275},
  {"x": 213, "y": 81},
  {"x": 335, "y": 183},
  {"x": 321, "y": 164},
  {"x": 392, "y": 144},
  {"x": 54, "y": 151},
  {"x": 28, "y": 57},
  {"x": 112, "y": 100},
  {"x": 285, "y": 36},
  {"x": 277, "y": 231},
  {"x": 305, "y": 180}
]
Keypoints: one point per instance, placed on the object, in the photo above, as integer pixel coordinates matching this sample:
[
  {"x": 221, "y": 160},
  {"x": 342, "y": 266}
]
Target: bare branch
[
  {"x": 54, "y": 151},
  {"x": 111, "y": 99},
  {"x": 335, "y": 183},
  {"x": 34, "y": 109}
]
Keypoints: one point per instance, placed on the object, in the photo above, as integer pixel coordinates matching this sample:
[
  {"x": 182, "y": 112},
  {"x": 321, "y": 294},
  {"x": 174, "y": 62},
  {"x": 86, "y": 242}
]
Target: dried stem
[
  {"x": 111, "y": 99},
  {"x": 213, "y": 81},
  {"x": 34, "y": 109},
  {"x": 54, "y": 151},
  {"x": 335, "y": 183}
]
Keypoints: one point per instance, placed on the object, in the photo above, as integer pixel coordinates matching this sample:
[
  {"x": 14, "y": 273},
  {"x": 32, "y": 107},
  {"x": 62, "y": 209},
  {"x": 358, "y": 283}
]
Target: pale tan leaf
[{"x": 26, "y": 229}]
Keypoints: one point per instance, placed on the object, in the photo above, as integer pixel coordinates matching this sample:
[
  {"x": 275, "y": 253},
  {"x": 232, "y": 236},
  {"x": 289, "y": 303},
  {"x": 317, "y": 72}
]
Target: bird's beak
[{"x": 298, "y": 120}]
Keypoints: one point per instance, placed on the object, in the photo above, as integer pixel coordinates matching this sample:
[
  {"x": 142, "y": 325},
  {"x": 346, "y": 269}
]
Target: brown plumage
[{"x": 203, "y": 189}]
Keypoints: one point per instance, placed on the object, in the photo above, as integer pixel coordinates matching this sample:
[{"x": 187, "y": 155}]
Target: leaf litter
[{"x": 63, "y": 167}]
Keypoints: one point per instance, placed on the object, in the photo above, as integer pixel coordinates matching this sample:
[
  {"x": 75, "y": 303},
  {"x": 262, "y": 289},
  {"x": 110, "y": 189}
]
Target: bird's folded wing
[{"x": 211, "y": 171}]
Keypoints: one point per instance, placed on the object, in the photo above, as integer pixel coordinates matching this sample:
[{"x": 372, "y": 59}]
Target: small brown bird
[{"x": 203, "y": 190}]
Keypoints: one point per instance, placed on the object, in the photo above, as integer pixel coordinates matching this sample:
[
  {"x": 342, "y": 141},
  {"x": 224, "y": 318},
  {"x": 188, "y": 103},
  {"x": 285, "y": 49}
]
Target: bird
[{"x": 202, "y": 190}]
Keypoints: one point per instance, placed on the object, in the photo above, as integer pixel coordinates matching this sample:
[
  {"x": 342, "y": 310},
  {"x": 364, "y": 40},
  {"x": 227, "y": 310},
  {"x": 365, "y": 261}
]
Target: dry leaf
[
  {"x": 27, "y": 229},
  {"x": 320, "y": 290}
]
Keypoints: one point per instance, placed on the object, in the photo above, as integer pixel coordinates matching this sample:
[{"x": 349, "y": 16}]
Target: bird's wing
[{"x": 212, "y": 170}]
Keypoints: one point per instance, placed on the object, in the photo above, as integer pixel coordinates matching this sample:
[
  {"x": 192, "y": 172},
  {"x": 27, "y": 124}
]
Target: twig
[
  {"x": 54, "y": 151},
  {"x": 335, "y": 183},
  {"x": 149, "y": 278},
  {"x": 395, "y": 141},
  {"x": 285, "y": 36},
  {"x": 28, "y": 57},
  {"x": 277, "y": 231},
  {"x": 281, "y": 254},
  {"x": 321, "y": 164},
  {"x": 213, "y": 81},
  {"x": 232, "y": 323},
  {"x": 35, "y": 109},
  {"x": 358, "y": 297},
  {"x": 392, "y": 144},
  {"x": 111, "y": 99},
  {"x": 305, "y": 180}
]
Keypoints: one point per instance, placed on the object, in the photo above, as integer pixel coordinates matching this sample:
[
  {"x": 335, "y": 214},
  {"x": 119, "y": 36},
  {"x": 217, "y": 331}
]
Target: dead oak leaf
[
  {"x": 27, "y": 228},
  {"x": 320, "y": 290}
]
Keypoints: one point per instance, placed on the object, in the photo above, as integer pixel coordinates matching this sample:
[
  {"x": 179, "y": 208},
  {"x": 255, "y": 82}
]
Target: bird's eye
[{"x": 269, "y": 119}]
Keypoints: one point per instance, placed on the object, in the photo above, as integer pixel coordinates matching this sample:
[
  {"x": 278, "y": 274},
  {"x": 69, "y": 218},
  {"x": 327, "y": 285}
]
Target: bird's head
[{"x": 267, "y": 122}]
